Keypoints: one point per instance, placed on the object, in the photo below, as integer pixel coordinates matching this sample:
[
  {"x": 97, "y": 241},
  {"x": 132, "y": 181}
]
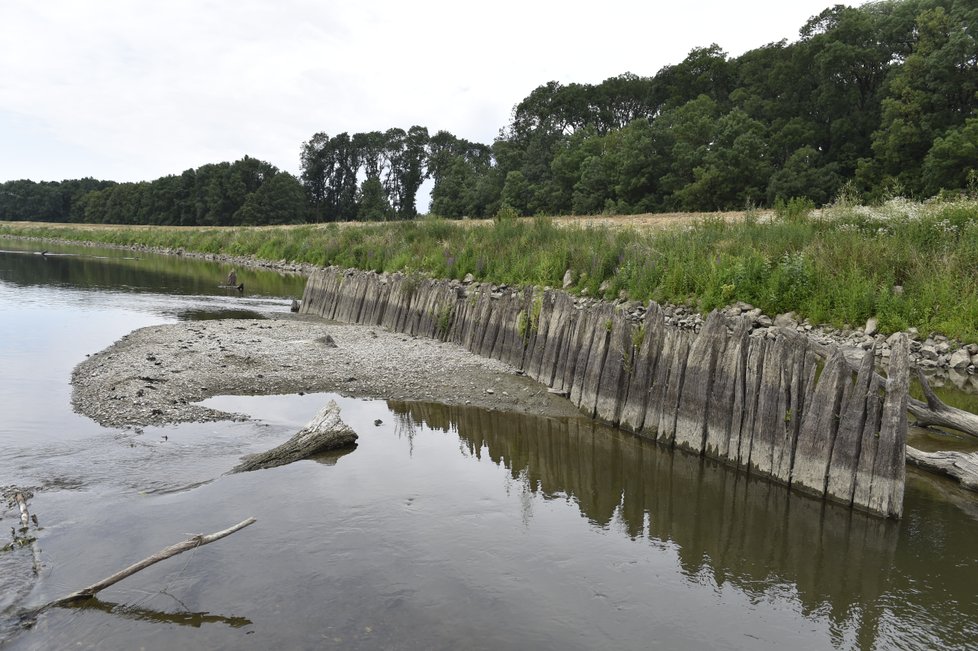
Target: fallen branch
[
  {"x": 961, "y": 466},
  {"x": 935, "y": 412},
  {"x": 163, "y": 554}
]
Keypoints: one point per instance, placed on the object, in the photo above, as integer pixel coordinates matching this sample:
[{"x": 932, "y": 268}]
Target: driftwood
[
  {"x": 961, "y": 466},
  {"x": 324, "y": 432},
  {"x": 25, "y": 517},
  {"x": 163, "y": 554},
  {"x": 935, "y": 412}
]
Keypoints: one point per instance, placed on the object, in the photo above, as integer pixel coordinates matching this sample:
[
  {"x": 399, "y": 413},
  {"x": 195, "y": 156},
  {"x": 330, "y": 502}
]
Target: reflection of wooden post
[{"x": 163, "y": 554}]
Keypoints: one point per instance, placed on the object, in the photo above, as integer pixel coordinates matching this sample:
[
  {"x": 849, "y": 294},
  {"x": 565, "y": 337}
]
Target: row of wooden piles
[{"x": 768, "y": 404}]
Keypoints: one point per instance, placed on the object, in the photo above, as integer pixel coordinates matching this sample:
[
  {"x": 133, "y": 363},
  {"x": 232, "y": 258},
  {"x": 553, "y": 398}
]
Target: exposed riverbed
[{"x": 155, "y": 375}]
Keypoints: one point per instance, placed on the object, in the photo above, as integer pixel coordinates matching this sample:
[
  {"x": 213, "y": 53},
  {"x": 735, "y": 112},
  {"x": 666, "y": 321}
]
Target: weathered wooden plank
[
  {"x": 541, "y": 306},
  {"x": 666, "y": 431},
  {"x": 848, "y": 441},
  {"x": 604, "y": 319},
  {"x": 491, "y": 330},
  {"x": 508, "y": 346},
  {"x": 746, "y": 395},
  {"x": 558, "y": 325},
  {"x": 771, "y": 410},
  {"x": 660, "y": 382},
  {"x": 567, "y": 358},
  {"x": 869, "y": 443},
  {"x": 819, "y": 426},
  {"x": 613, "y": 384},
  {"x": 698, "y": 384},
  {"x": 575, "y": 385},
  {"x": 468, "y": 312},
  {"x": 372, "y": 302},
  {"x": 797, "y": 370},
  {"x": 890, "y": 466},
  {"x": 476, "y": 327},
  {"x": 313, "y": 295},
  {"x": 723, "y": 398},
  {"x": 643, "y": 369},
  {"x": 423, "y": 317}
]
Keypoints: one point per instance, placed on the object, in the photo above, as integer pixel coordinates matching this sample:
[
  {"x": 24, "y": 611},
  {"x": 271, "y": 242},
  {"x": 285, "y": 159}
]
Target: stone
[
  {"x": 960, "y": 359},
  {"x": 928, "y": 353},
  {"x": 872, "y": 326},
  {"x": 568, "y": 278},
  {"x": 898, "y": 290},
  {"x": 786, "y": 320},
  {"x": 763, "y": 321},
  {"x": 469, "y": 279}
]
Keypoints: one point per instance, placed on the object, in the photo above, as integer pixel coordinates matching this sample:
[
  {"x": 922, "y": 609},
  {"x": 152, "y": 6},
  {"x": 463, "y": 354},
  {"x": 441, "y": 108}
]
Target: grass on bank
[{"x": 908, "y": 264}]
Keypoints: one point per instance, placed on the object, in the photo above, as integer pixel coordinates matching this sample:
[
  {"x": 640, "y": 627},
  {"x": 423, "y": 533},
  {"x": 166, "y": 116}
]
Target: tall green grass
[{"x": 907, "y": 264}]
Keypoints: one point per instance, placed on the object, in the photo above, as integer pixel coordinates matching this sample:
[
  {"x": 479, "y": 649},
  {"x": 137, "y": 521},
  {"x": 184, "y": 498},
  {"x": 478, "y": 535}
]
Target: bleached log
[
  {"x": 162, "y": 555},
  {"x": 324, "y": 432},
  {"x": 961, "y": 466},
  {"x": 935, "y": 412}
]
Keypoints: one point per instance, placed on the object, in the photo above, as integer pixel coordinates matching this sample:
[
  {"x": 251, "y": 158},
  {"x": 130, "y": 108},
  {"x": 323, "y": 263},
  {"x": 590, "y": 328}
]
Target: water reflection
[
  {"x": 195, "y": 620},
  {"x": 733, "y": 529},
  {"x": 91, "y": 268},
  {"x": 213, "y": 315}
]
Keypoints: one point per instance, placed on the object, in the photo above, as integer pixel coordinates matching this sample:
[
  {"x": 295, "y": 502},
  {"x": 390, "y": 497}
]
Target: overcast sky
[{"x": 132, "y": 90}]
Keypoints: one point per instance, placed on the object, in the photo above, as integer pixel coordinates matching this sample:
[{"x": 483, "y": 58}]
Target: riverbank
[
  {"x": 156, "y": 375},
  {"x": 927, "y": 296},
  {"x": 904, "y": 264}
]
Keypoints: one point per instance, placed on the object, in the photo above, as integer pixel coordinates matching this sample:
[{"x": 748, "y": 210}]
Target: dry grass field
[{"x": 642, "y": 222}]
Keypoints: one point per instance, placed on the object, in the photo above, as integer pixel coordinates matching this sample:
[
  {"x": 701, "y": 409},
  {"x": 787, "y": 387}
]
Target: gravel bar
[{"x": 155, "y": 375}]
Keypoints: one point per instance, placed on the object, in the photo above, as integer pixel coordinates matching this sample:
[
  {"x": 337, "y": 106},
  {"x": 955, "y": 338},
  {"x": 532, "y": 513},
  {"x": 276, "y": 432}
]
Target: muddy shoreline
[{"x": 155, "y": 375}]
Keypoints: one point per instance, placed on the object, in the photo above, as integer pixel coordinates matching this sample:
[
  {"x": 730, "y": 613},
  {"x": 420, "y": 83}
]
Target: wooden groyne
[{"x": 769, "y": 403}]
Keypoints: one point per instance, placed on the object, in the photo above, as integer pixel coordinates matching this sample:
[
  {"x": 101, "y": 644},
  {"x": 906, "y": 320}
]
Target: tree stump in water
[{"x": 324, "y": 432}]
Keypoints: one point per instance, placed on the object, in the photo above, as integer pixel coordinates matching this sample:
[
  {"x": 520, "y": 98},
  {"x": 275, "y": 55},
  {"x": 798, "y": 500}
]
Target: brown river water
[{"x": 446, "y": 528}]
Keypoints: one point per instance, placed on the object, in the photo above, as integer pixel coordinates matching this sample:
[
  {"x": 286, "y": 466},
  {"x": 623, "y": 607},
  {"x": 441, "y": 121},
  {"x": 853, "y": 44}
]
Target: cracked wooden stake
[
  {"x": 163, "y": 554},
  {"x": 25, "y": 517}
]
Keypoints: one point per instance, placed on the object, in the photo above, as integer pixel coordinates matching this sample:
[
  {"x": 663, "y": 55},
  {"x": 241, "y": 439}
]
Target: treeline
[
  {"x": 874, "y": 101},
  {"x": 245, "y": 192}
]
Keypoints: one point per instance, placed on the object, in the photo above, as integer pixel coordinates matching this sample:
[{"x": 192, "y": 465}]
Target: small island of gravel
[{"x": 155, "y": 375}]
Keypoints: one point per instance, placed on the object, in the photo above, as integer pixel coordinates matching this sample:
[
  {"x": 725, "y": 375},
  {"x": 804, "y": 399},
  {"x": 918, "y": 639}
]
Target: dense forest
[{"x": 874, "y": 101}]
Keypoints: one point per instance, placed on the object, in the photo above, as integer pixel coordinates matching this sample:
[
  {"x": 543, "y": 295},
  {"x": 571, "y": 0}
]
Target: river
[{"x": 446, "y": 528}]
